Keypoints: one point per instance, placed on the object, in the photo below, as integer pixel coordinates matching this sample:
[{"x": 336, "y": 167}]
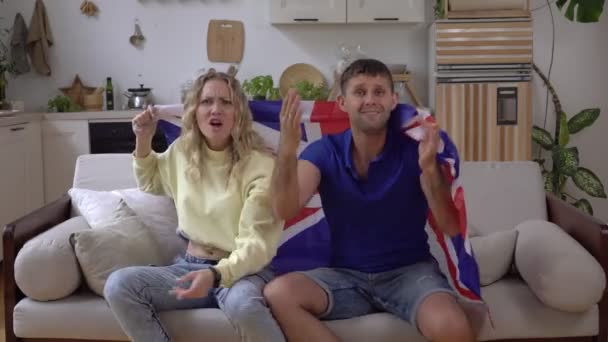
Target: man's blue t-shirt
[{"x": 377, "y": 224}]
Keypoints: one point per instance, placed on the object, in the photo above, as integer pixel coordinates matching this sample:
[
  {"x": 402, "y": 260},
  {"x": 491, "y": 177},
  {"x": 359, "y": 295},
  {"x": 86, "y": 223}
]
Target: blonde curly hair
[{"x": 244, "y": 138}]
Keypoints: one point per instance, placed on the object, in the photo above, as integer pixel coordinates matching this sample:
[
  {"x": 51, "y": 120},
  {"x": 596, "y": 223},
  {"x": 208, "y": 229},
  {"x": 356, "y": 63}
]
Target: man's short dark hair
[{"x": 368, "y": 67}]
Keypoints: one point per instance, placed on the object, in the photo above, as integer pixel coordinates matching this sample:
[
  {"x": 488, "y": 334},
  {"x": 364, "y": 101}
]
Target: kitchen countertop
[
  {"x": 103, "y": 115},
  {"x": 9, "y": 118}
]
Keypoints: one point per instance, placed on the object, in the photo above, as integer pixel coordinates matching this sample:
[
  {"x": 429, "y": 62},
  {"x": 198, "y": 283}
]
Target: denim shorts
[{"x": 400, "y": 291}]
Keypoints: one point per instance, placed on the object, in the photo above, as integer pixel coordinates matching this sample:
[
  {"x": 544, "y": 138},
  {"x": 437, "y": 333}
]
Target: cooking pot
[{"x": 139, "y": 98}]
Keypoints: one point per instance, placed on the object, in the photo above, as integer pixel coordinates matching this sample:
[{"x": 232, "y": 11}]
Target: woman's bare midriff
[{"x": 206, "y": 251}]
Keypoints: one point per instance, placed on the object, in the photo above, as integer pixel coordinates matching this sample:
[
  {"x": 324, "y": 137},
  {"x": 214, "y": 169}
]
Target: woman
[{"x": 218, "y": 175}]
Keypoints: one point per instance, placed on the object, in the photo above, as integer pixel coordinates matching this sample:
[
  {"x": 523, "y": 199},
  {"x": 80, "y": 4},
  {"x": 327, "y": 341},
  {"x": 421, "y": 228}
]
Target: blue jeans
[
  {"x": 137, "y": 294},
  {"x": 400, "y": 291}
]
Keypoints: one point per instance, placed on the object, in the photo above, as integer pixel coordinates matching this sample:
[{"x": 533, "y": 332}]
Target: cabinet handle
[
  {"x": 305, "y": 19},
  {"x": 386, "y": 19},
  {"x": 15, "y": 129}
]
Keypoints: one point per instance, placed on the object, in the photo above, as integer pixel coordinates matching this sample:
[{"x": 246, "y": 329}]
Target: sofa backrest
[
  {"x": 500, "y": 195},
  {"x": 104, "y": 172}
]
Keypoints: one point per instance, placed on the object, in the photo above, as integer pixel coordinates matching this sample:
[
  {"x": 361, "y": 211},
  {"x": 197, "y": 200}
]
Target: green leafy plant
[
  {"x": 62, "y": 103},
  {"x": 258, "y": 87},
  {"x": 565, "y": 158},
  {"x": 311, "y": 92},
  {"x": 274, "y": 94},
  {"x": 587, "y": 11},
  {"x": 439, "y": 9}
]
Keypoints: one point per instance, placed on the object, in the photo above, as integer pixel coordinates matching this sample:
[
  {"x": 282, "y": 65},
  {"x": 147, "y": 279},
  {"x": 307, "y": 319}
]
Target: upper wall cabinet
[
  {"x": 385, "y": 11},
  {"x": 307, "y": 11},
  {"x": 347, "y": 11}
]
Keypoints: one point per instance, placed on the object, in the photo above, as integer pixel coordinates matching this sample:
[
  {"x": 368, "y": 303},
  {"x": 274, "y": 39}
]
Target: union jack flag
[{"x": 306, "y": 241}]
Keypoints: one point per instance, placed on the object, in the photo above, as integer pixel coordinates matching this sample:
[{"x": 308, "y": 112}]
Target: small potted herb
[
  {"x": 62, "y": 103},
  {"x": 258, "y": 87},
  {"x": 274, "y": 94},
  {"x": 311, "y": 92}
]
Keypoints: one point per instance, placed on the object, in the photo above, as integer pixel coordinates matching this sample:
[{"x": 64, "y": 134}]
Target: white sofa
[{"x": 499, "y": 197}]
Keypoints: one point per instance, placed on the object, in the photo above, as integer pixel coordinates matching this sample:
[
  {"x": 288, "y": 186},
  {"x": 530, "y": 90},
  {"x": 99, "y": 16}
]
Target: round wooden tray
[{"x": 298, "y": 72}]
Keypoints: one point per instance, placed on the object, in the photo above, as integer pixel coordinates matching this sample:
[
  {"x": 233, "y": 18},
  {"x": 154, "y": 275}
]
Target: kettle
[{"x": 139, "y": 98}]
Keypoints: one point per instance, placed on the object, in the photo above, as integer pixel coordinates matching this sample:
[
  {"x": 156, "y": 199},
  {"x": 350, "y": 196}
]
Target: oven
[{"x": 118, "y": 137}]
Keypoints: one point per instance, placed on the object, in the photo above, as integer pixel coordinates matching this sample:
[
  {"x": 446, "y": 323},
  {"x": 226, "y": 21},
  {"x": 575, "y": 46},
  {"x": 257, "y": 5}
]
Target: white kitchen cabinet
[
  {"x": 308, "y": 11},
  {"x": 62, "y": 142},
  {"x": 20, "y": 171},
  {"x": 386, "y": 11},
  {"x": 347, "y": 11}
]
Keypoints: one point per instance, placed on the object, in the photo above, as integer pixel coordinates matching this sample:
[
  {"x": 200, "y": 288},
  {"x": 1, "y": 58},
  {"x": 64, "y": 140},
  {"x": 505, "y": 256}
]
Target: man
[{"x": 376, "y": 187}]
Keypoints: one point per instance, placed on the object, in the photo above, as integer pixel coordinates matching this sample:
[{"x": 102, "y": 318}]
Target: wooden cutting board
[{"x": 225, "y": 41}]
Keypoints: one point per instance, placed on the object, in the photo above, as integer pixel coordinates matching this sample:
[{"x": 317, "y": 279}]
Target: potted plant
[
  {"x": 587, "y": 11},
  {"x": 62, "y": 103},
  {"x": 311, "y": 92},
  {"x": 258, "y": 87},
  {"x": 565, "y": 158},
  {"x": 274, "y": 94}
]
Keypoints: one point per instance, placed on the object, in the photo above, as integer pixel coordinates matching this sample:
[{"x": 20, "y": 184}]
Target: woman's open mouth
[{"x": 216, "y": 123}]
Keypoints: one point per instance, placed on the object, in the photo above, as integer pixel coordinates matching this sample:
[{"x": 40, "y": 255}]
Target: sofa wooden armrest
[
  {"x": 14, "y": 236},
  {"x": 592, "y": 234}
]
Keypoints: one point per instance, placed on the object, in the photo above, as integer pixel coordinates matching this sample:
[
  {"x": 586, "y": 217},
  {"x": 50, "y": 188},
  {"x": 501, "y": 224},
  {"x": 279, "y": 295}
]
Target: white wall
[
  {"x": 176, "y": 48},
  {"x": 176, "y": 34},
  {"x": 580, "y": 77}
]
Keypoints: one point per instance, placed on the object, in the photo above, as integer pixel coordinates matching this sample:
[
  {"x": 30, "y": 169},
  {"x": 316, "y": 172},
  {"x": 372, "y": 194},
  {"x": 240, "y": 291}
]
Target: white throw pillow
[
  {"x": 97, "y": 207},
  {"x": 46, "y": 267},
  {"x": 157, "y": 212},
  {"x": 494, "y": 254},
  {"x": 558, "y": 270},
  {"x": 122, "y": 243}
]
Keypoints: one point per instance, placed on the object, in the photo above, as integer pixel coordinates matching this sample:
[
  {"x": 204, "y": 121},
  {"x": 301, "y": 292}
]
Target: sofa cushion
[
  {"x": 160, "y": 215},
  {"x": 494, "y": 254},
  {"x": 156, "y": 212},
  {"x": 375, "y": 327},
  {"x": 98, "y": 207},
  {"x": 500, "y": 195},
  {"x": 91, "y": 318},
  {"x": 517, "y": 313},
  {"x": 559, "y": 271},
  {"x": 123, "y": 243},
  {"x": 104, "y": 172},
  {"x": 46, "y": 267}
]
